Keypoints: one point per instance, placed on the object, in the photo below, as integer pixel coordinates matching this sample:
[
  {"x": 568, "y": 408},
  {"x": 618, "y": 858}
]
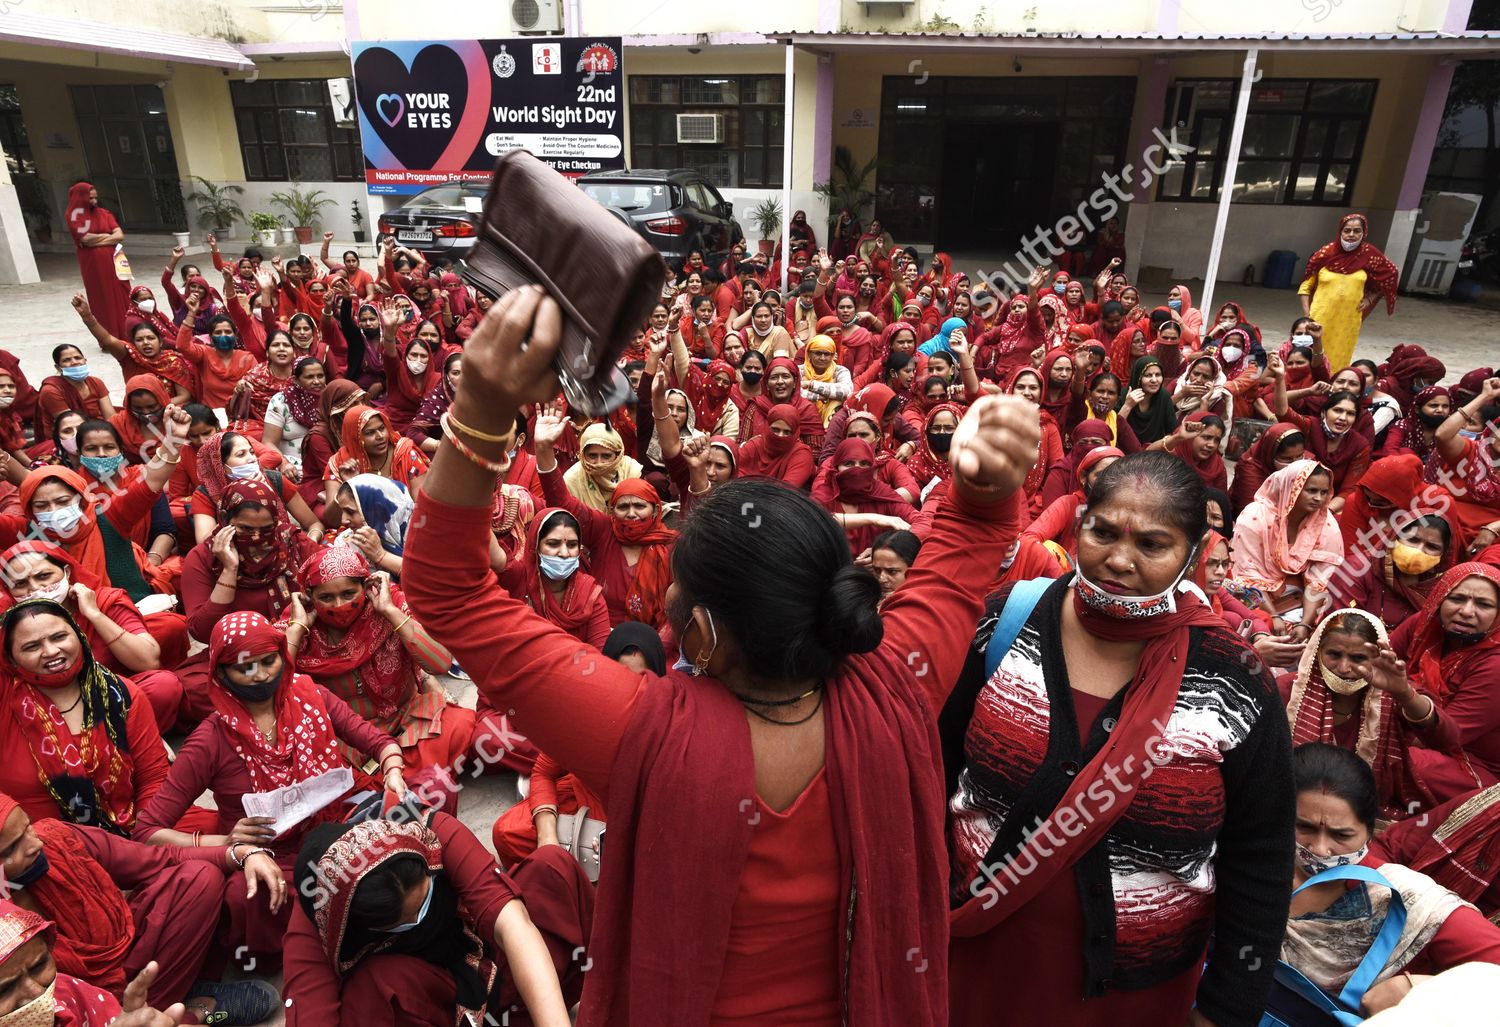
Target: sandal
[{"x": 236, "y": 1004}]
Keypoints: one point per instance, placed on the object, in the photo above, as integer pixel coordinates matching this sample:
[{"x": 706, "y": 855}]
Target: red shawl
[
  {"x": 370, "y": 646},
  {"x": 874, "y": 400},
  {"x": 1382, "y": 275},
  {"x": 168, "y": 365},
  {"x": 1427, "y": 665},
  {"x": 773, "y": 456},
  {"x": 710, "y": 398},
  {"x": 924, "y": 464},
  {"x": 305, "y": 744},
  {"x": 1121, "y": 360},
  {"x": 1060, "y": 408},
  {"x": 260, "y": 386},
  {"x": 810, "y": 421},
  {"x": 1395, "y": 479},
  {"x": 1406, "y": 363},
  {"x": 1149, "y": 700},
  {"x": 134, "y": 441},
  {"x": 1211, "y": 470},
  {"x": 1038, "y": 472},
  {"x": 576, "y": 607},
  {"x": 86, "y": 544},
  {"x": 1259, "y": 463},
  {"x": 647, "y": 598},
  {"x": 1463, "y": 853}
]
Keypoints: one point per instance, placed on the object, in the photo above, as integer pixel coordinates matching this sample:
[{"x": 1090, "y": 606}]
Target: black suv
[{"x": 677, "y": 212}]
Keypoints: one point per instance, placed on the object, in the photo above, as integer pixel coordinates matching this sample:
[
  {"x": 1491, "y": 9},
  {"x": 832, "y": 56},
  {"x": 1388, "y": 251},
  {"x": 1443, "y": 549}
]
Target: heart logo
[
  {"x": 390, "y": 98},
  {"x": 384, "y": 74}
]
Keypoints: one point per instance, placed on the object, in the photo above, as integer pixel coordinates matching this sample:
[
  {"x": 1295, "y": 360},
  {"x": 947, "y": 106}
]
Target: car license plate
[{"x": 414, "y": 237}]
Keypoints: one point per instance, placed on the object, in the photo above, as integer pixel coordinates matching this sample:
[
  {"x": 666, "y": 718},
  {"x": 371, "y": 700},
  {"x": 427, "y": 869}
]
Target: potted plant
[
  {"x": 217, "y": 206},
  {"x": 767, "y": 218},
  {"x": 264, "y": 224},
  {"x": 358, "y": 217},
  {"x": 304, "y": 209},
  {"x": 288, "y": 232},
  {"x": 846, "y": 188}
]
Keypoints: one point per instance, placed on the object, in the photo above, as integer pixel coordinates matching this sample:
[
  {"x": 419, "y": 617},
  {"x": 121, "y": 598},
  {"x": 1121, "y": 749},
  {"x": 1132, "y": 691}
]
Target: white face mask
[
  {"x": 1231, "y": 354},
  {"x": 57, "y": 593},
  {"x": 416, "y": 367},
  {"x": 1302, "y": 340},
  {"x": 147, "y": 306},
  {"x": 62, "y": 521},
  {"x": 6, "y": 401},
  {"x": 245, "y": 472},
  {"x": 1312, "y": 864},
  {"x": 1350, "y": 247}
]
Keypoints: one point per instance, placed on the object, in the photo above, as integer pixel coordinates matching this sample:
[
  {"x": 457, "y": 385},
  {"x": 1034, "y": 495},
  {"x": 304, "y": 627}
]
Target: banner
[{"x": 434, "y": 112}]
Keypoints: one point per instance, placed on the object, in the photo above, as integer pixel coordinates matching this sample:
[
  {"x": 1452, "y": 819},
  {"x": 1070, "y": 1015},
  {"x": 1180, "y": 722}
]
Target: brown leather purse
[{"x": 538, "y": 228}]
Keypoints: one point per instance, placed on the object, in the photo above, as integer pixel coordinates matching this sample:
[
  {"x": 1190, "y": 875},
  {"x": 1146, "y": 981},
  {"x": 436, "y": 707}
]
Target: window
[
  {"x": 127, "y": 145},
  {"x": 1301, "y": 142},
  {"x": 752, "y": 108},
  {"x": 287, "y": 133}
]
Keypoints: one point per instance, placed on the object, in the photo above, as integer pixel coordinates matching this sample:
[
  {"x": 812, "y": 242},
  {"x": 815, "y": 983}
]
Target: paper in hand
[{"x": 292, "y": 804}]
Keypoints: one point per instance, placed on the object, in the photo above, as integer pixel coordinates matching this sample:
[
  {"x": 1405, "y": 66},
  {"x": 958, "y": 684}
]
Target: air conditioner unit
[
  {"x": 700, "y": 128},
  {"x": 535, "y": 16}
]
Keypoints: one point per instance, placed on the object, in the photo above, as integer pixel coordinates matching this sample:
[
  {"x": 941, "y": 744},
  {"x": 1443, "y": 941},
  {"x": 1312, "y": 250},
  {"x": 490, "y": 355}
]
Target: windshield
[{"x": 628, "y": 196}]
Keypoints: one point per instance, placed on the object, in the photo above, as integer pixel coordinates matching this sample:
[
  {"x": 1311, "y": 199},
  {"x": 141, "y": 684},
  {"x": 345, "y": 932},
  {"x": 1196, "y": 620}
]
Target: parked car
[
  {"x": 676, "y": 211},
  {"x": 436, "y": 222}
]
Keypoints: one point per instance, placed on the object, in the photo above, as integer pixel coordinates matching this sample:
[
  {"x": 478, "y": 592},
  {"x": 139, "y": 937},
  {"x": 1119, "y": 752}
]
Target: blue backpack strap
[
  {"x": 1024, "y": 596},
  {"x": 1385, "y": 941}
]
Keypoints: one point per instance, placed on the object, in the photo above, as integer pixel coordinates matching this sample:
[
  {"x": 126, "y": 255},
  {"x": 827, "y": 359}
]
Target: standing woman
[
  {"x": 96, "y": 233},
  {"x": 1123, "y": 703},
  {"x": 840, "y": 692},
  {"x": 1343, "y": 283}
]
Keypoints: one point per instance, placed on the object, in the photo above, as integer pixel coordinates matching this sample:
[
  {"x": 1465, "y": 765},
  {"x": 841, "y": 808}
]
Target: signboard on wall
[{"x": 434, "y": 112}]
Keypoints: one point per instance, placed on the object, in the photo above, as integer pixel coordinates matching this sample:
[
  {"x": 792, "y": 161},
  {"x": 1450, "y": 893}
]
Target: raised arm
[
  {"x": 1449, "y": 442},
  {"x": 107, "y": 342}
]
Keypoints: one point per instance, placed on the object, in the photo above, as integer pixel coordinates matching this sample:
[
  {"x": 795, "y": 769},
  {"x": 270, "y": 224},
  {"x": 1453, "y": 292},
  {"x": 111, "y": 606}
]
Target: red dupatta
[
  {"x": 770, "y": 455},
  {"x": 85, "y": 545},
  {"x": 647, "y": 597},
  {"x": 1463, "y": 853},
  {"x": 575, "y": 607},
  {"x": 809, "y": 421},
  {"x": 1428, "y": 662},
  {"x": 1211, "y": 469},
  {"x": 1382, "y": 276},
  {"x": 924, "y": 464},
  {"x": 133, "y": 438}
]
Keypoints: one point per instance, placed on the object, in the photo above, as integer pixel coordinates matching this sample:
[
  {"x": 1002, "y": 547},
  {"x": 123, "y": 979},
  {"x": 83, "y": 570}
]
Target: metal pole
[
  {"x": 1231, "y": 165},
  {"x": 786, "y": 168}
]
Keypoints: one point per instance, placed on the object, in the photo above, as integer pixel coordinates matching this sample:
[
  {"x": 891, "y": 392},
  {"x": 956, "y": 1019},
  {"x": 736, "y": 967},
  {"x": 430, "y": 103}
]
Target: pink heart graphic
[{"x": 380, "y": 104}]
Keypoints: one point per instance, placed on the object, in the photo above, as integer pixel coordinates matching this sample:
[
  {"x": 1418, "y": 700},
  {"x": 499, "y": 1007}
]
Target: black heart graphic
[{"x": 436, "y": 69}]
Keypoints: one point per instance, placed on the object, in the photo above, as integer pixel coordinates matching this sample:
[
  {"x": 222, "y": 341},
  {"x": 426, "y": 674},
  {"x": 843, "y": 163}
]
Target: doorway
[
  {"x": 131, "y": 158},
  {"x": 997, "y": 180}
]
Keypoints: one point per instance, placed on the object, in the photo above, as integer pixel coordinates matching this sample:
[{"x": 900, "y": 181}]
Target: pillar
[{"x": 17, "y": 264}]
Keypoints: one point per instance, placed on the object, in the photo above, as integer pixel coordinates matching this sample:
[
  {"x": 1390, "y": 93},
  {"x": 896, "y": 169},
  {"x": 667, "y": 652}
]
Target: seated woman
[
  {"x": 114, "y": 629},
  {"x": 1287, "y": 545},
  {"x": 220, "y": 362},
  {"x": 407, "y": 356},
  {"x": 292, "y": 413},
  {"x": 253, "y": 392},
  {"x": 862, "y": 425},
  {"x": 359, "y": 641},
  {"x": 1457, "y": 844},
  {"x": 414, "y": 923},
  {"x": 1452, "y": 651},
  {"x": 143, "y": 352},
  {"x": 532, "y": 822},
  {"x": 75, "y": 875},
  {"x": 1209, "y": 575},
  {"x": 1147, "y": 408},
  {"x": 1281, "y": 445},
  {"x": 602, "y": 465},
  {"x": 1220, "y": 511},
  {"x": 1102, "y": 397},
  {"x": 1416, "y": 432},
  {"x": 629, "y": 547},
  {"x": 778, "y": 452},
  {"x": 861, "y": 504},
  {"x": 1202, "y": 387},
  {"x": 249, "y": 563},
  {"x": 426, "y": 428},
  {"x": 1351, "y": 690},
  {"x": 929, "y": 465},
  {"x": 376, "y": 512},
  {"x": 1198, "y": 441},
  {"x": 101, "y": 463},
  {"x": 1330, "y": 437},
  {"x": 1395, "y": 584},
  {"x": 1473, "y": 480},
  {"x": 64, "y": 443},
  {"x": 781, "y": 388},
  {"x": 71, "y": 388},
  {"x": 1058, "y": 522},
  {"x": 84, "y": 744},
  {"x": 270, "y": 728},
  {"x": 371, "y": 446},
  {"x": 890, "y": 557},
  {"x": 324, "y": 439},
  {"x": 231, "y": 457},
  {"x": 550, "y": 580},
  {"x": 1062, "y": 477},
  {"x": 825, "y": 382},
  {"x": 138, "y": 426},
  {"x": 1330, "y": 925},
  {"x": 1026, "y": 382}
]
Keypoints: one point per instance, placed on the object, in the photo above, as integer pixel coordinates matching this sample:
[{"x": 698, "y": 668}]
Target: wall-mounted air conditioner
[
  {"x": 700, "y": 128},
  {"x": 532, "y": 16}
]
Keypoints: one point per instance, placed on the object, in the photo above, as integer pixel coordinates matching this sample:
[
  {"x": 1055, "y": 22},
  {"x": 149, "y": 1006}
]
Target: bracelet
[
  {"x": 392, "y": 756},
  {"x": 197, "y": 837},
  {"x": 221, "y": 582},
  {"x": 167, "y": 463},
  {"x": 543, "y": 809},
  {"x": 241, "y": 862},
  {"x": 507, "y": 438},
  {"x": 705, "y": 491},
  {"x": 398, "y": 627},
  {"x": 493, "y": 466},
  {"x": 660, "y": 417},
  {"x": 295, "y": 624},
  {"x": 112, "y": 641},
  {"x": 1430, "y": 715}
]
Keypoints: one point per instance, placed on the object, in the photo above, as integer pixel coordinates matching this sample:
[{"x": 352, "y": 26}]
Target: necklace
[
  {"x": 794, "y": 700},
  {"x": 789, "y": 723},
  {"x": 70, "y": 709}
]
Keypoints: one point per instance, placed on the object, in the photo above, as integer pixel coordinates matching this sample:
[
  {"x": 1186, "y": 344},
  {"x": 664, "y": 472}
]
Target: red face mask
[
  {"x": 779, "y": 445},
  {"x": 856, "y": 481},
  {"x": 634, "y": 531},
  {"x": 343, "y": 615},
  {"x": 54, "y": 680}
]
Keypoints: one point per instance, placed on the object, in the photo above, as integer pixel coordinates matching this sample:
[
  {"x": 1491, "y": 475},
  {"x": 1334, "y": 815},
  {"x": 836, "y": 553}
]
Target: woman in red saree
[
  {"x": 1026, "y": 382},
  {"x": 71, "y": 388},
  {"x": 1457, "y": 844},
  {"x": 1198, "y": 440},
  {"x": 359, "y": 641},
  {"x": 1469, "y": 469},
  {"x": 96, "y": 233},
  {"x": 862, "y": 504},
  {"x": 1393, "y": 578},
  {"x": 372, "y": 446},
  {"x": 929, "y": 463},
  {"x": 778, "y": 452},
  {"x": 139, "y": 423},
  {"x": 1058, "y": 521},
  {"x": 411, "y": 366},
  {"x": 142, "y": 351},
  {"x": 783, "y": 386},
  {"x": 1331, "y": 437},
  {"x": 1351, "y": 690},
  {"x": 253, "y": 392},
  {"x": 553, "y": 584},
  {"x": 323, "y": 438},
  {"x": 1011, "y": 343},
  {"x": 1415, "y": 433},
  {"x": 1452, "y": 652}
]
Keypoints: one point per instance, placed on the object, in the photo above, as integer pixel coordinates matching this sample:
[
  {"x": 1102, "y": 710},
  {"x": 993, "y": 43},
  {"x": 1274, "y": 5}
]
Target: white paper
[{"x": 292, "y": 804}]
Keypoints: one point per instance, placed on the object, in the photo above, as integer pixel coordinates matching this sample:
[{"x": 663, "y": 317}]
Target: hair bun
[{"x": 851, "y": 619}]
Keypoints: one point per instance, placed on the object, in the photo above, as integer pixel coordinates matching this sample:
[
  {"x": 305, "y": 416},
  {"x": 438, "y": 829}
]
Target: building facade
[{"x": 984, "y": 118}]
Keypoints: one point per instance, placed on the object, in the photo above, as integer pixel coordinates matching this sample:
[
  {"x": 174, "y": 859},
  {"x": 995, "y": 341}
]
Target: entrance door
[
  {"x": 131, "y": 159},
  {"x": 997, "y": 183}
]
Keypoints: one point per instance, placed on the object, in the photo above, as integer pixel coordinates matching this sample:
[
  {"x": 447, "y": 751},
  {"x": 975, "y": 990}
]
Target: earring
[{"x": 701, "y": 663}]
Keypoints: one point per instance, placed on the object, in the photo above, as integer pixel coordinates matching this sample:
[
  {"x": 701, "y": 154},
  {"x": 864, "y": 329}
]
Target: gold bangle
[
  {"x": 543, "y": 809},
  {"x": 703, "y": 493},
  {"x": 493, "y": 466},
  {"x": 402, "y": 624},
  {"x": 507, "y": 438}
]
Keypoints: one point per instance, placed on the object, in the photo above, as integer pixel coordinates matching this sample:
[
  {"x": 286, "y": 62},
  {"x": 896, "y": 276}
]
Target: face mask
[
  {"x": 1349, "y": 247},
  {"x": 77, "y": 373},
  {"x": 1313, "y": 864},
  {"x": 939, "y": 442},
  {"x": 558, "y": 568},
  {"x": 1412, "y": 560},
  {"x": 924, "y": 301},
  {"x": 1129, "y": 607},
  {"x": 245, "y": 472},
  {"x": 1174, "y": 304},
  {"x": 223, "y": 343},
  {"x": 1016, "y": 316},
  {"x": 752, "y": 378},
  {"x": 54, "y": 679},
  {"x": 146, "y": 306},
  {"x": 421, "y": 913},
  {"x": 57, "y": 593},
  {"x": 416, "y": 367},
  {"x": 1060, "y": 288},
  {"x": 370, "y": 334},
  {"x": 856, "y": 479},
  {"x": 343, "y": 615},
  {"x": 1302, "y": 340},
  {"x": 32, "y": 874},
  {"x": 257, "y": 692},
  {"x": 102, "y": 467},
  {"x": 62, "y": 521},
  {"x": 39, "y": 1012},
  {"x": 1333, "y": 434},
  {"x": 70, "y": 444},
  {"x": 1231, "y": 354},
  {"x": 1432, "y": 421},
  {"x": 1340, "y": 685},
  {"x": 6, "y": 401},
  {"x": 1468, "y": 434}
]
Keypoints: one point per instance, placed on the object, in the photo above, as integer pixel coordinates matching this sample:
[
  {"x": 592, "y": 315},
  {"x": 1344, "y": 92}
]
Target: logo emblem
[
  {"x": 546, "y": 59},
  {"x": 504, "y": 64}
]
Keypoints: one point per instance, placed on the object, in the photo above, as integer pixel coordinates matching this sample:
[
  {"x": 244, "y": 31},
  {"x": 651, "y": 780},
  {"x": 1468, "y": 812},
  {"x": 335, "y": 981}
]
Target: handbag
[
  {"x": 1296, "y": 1001},
  {"x": 539, "y": 229},
  {"x": 583, "y": 837}
]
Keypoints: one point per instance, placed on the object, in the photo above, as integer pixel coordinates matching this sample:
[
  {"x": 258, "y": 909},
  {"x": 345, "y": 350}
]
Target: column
[
  {"x": 17, "y": 265},
  {"x": 1418, "y": 159}
]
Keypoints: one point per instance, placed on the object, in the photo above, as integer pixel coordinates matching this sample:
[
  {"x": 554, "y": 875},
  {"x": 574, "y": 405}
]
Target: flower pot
[
  {"x": 359, "y": 235},
  {"x": 266, "y": 237},
  {"x": 288, "y": 236},
  {"x": 304, "y": 233},
  {"x": 181, "y": 238},
  {"x": 768, "y": 246}
]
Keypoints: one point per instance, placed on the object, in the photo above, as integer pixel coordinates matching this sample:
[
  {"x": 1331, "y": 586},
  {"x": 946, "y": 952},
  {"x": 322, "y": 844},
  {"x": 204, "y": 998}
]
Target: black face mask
[
  {"x": 1431, "y": 420},
  {"x": 752, "y": 377},
  {"x": 939, "y": 442},
  {"x": 371, "y": 333},
  {"x": 253, "y": 693},
  {"x": 32, "y": 874},
  {"x": 1466, "y": 637}
]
